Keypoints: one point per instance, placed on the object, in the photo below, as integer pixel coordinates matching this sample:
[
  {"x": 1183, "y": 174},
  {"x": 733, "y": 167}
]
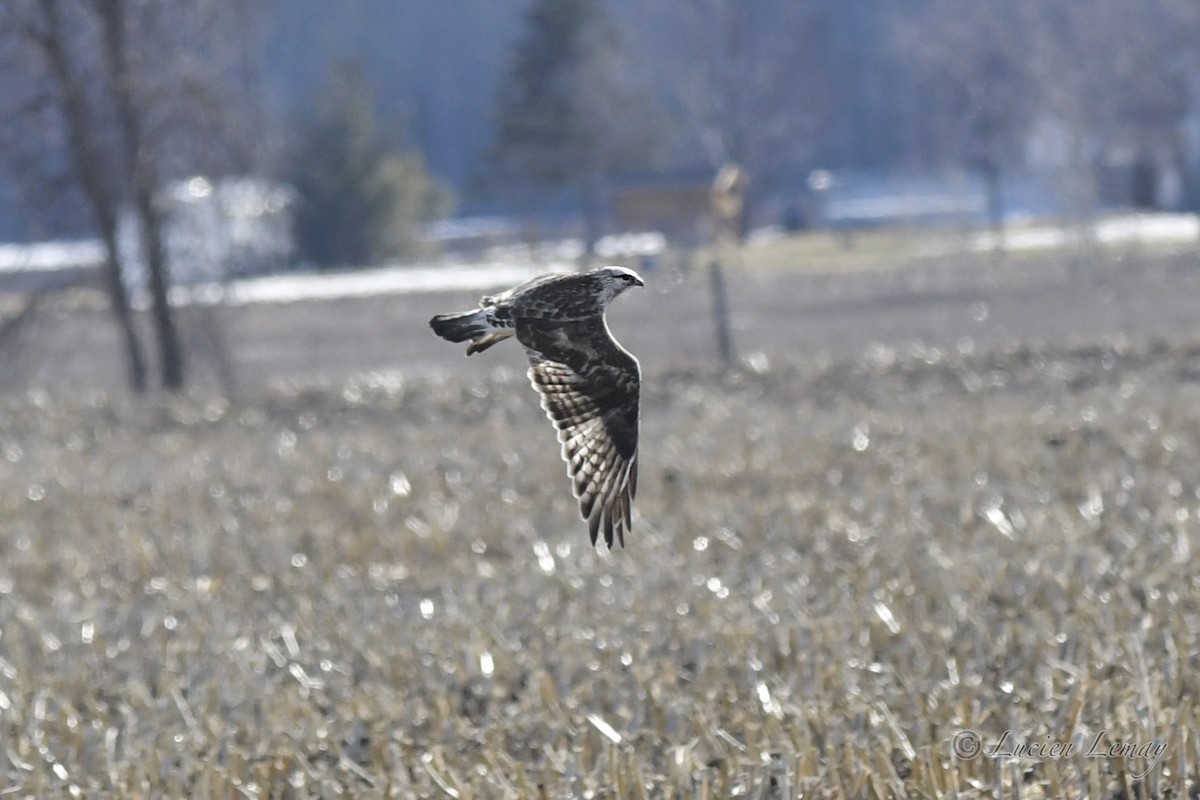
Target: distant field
[
  {"x": 899, "y": 246},
  {"x": 794, "y": 307},
  {"x": 380, "y": 588}
]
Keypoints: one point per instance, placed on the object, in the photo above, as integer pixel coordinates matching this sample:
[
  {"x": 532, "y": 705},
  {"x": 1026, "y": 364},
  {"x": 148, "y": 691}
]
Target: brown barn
[{"x": 679, "y": 205}]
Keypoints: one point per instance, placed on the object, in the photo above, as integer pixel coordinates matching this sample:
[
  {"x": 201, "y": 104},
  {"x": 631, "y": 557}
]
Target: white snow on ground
[
  {"x": 501, "y": 272},
  {"x": 1158, "y": 228},
  {"x": 50, "y": 256},
  {"x": 296, "y": 287},
  {"x": 1149, "y": 228}
]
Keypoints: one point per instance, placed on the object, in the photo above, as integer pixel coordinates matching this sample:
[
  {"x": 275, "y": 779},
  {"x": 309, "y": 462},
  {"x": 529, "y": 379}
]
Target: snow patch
[{"x": 299, "y": 287}]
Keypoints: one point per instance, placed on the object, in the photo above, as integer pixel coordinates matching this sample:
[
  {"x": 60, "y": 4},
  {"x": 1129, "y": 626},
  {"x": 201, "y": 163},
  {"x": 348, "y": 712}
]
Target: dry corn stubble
[{"x": 381, "y": 588}]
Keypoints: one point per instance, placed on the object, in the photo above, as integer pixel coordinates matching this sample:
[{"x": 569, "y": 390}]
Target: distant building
[{"x": 676, "y": 204}]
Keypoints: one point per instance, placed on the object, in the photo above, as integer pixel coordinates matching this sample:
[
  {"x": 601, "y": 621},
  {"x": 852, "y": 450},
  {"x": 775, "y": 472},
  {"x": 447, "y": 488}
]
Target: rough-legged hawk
[{"x": 589, "y": 384}]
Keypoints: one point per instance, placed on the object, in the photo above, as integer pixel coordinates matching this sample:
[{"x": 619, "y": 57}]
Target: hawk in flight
[{"x": 589, "y": 384}]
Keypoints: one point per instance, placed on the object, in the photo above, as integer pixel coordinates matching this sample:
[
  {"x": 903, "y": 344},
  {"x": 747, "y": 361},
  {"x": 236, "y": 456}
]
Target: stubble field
[
  {"x": 843, "y": 567},
  {"x": 380, "y": 588}
]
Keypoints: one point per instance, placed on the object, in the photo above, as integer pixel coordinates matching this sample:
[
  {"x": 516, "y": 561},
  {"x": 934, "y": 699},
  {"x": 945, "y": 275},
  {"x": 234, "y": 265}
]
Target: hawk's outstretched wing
[{"x": 589, "y": 386}]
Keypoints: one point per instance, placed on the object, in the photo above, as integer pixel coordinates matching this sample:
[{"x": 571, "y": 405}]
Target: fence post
[
  {"x": 728, "y": 198},
  {"x": 721, "y": 312}
]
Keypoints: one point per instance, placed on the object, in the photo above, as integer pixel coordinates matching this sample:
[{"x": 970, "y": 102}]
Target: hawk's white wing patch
[{"x": 595, "y": 411}]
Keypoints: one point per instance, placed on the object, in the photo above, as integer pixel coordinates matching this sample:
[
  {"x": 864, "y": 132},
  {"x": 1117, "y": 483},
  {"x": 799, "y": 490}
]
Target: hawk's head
[{"x": 614, "y": 280}]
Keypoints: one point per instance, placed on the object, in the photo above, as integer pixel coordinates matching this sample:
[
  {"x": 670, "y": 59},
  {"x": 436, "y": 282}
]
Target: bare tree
[
  {"x": 1150, "y": 61},
  {"x": 743, "y": 80},
  {"x": 62, "y": 88},
  {"x": 1091, "y": 86},
  {"x": 141, "y": 170},
  {"x": 143, "y": 91},
  {"x": 981, "y": 84},
  {"x": 1116, "y": 77},
  {"x": 740, "y": 81}
]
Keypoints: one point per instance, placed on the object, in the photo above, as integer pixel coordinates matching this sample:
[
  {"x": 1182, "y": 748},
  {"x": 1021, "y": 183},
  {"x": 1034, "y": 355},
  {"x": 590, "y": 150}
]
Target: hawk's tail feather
[
  {"x": 462, "y": 326},
  {"x": 469, "y": 325}
]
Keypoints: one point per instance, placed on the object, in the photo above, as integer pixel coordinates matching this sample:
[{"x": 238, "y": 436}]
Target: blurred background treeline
[
  {"x": 185, "y": 140},
  {"x": 544, "y": 107}
]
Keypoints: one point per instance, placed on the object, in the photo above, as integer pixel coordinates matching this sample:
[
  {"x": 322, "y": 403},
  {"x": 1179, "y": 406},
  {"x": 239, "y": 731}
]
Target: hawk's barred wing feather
[{"x": 589, "y": 388}]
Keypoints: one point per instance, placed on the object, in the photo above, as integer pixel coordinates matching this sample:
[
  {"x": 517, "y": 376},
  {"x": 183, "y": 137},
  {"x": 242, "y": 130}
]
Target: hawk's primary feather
[{"x": 589, "y": 384}]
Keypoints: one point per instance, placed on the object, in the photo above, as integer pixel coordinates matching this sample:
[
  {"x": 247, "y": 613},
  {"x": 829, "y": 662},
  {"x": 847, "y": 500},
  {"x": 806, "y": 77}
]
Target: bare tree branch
[{"x": 130, "y": 93}]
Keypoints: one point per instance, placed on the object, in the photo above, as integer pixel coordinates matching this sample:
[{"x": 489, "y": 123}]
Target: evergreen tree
[
  {"x": 360, "y": 196},
  {"x": 567, "y": 113},
  {"x": 539, "y": 127}
]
